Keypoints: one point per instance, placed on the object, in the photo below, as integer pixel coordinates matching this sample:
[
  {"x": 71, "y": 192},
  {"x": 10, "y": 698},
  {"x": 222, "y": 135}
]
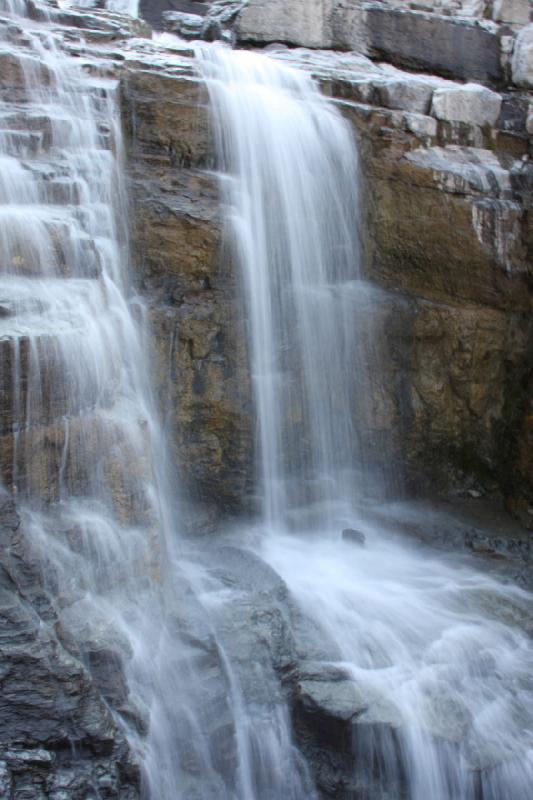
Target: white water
[
  {"x": 435, "y": 647},
  {"x": 86, "y": 458},
  {"x": 437, "y": 644},
  {"x": 291, "y": 183},
  {"x": 83, "y": 436}
]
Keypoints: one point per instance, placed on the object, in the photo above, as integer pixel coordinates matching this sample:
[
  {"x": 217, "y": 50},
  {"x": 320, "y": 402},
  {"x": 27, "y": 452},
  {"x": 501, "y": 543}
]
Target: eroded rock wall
[
  {"x": 447, "y": 205},
  {"x": 183, "y": 265},
  {"x": 58, "y": 735},
  {"x": 447, "y": 188}
]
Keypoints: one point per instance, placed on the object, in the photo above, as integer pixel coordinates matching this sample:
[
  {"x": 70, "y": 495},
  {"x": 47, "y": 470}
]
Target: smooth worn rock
[
  {"x": 302, "y": 22},
  {"x": 512, "y": 12},
  {"x": 443, "y": 45},
  {"x": 522, "y": 63},
  {"x": 472, "y": 103},
  {"x": 353, "y": 537}
]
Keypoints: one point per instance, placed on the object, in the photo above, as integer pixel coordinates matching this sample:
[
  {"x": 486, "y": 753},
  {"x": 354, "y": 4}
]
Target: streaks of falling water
[
  {"x": 85, "y": 456},
  {"x": 292, "y": 187},
  {"x": 433, "y": 646},
  {"x": 79, "y": 432}
]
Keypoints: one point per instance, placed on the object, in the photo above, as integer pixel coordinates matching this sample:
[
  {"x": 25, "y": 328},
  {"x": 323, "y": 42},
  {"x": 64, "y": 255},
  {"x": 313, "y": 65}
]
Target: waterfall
[
  {"x": 82, "y": 450},
  {"x": 291, "y": 182},
  {"x": 428, "y": 644},
  {"x": 85, "y": 458},
  {"x": 205, "y": 640}
]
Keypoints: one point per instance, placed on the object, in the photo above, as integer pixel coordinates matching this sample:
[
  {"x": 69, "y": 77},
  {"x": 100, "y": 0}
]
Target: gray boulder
[
  {"x": 522, "y": 64},
  {"x": 448, "y": 46},
  {"x": 301, "y": 22},
  {"x": 511, "y": 12},
  {"x": 472, "y": 103}
]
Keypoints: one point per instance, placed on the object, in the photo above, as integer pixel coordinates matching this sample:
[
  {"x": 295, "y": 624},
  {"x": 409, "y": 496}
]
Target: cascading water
[
  {"x": 202, "y": 632},
  {"x": 81, "y": 433},
  {"x": 429, "y": 645},
  {"x": 83, "y": 452},
  {"x": 292, "y": 183}
]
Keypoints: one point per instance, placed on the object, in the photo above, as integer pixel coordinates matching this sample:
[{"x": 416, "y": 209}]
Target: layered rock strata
[{"x": 447, "y": 193}]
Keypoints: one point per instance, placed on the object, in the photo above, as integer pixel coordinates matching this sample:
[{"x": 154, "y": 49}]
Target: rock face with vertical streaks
[
  {"x": 185, "y": 266},
  {"x": 447, "y": 204}
]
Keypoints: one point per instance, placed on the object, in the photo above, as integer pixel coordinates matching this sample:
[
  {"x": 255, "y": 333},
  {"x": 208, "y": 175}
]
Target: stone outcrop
[
  {"x": 455, "y": 48},
  {"x": 462, "y": 45},
  {"x": 58, "y": 737},
  {"x": 301, "y": 23},
  {"x": 470, "y": 41},
  {"x": 448, "y": 192},
  {"x": 184, "y": 266},
  {"x": 523, "y": 58}
]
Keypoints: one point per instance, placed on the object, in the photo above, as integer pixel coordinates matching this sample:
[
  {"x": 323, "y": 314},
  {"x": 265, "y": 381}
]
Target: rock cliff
[{"x": 439, "y": 100}]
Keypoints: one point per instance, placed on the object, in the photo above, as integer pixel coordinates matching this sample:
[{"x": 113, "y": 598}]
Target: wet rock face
[
  {"x": 152, "y": 10},
  {"x": 58, "y": 738},
  {"x": 184, "y": 265},
  {"x": 447, "y": 199},
  {"x": 448, "y": 229}
]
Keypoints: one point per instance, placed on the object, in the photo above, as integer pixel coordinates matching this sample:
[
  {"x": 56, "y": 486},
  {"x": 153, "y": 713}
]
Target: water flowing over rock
[
  {"x": 301, "y": 284},
  {"x": 245, "y": 299},
  {"x": 375, "y": 707},
  {"x": 114, "y": 673}
]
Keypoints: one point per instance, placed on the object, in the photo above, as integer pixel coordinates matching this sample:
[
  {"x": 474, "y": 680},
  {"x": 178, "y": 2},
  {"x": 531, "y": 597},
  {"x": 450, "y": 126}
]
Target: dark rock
[
  {"x": 212, "y": 31},
  {"x": 51, "y": 717},
  {"x": 153, "y": 10},
  {"x": 345, "y": 729},
  {"x": 353, "y": 536},
  {"x": 454, "y": 48}
]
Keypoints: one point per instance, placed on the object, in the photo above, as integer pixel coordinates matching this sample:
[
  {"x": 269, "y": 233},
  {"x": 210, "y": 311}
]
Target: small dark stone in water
[
  {"x": 5, "y": 311},
  {"x": 212, "y": 31},
  {"x": 353, "y": 536}
]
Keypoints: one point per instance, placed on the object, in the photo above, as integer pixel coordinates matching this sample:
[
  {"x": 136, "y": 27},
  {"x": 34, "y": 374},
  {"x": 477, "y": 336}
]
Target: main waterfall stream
[
  {"x": 213, "y": 643},
  {"x": 428, "y": 644}
]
